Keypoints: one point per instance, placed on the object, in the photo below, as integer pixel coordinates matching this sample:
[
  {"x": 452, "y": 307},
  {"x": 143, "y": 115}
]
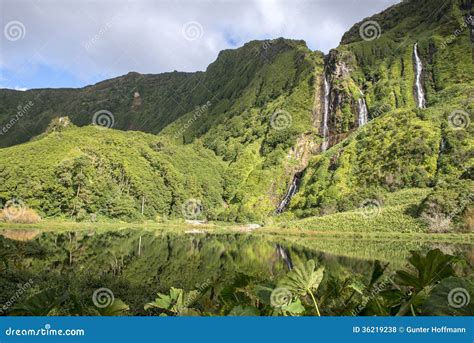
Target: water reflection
[{"x": 137, "y": 264}]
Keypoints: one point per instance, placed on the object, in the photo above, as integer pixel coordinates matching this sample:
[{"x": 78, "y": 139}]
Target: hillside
[
  {"x": 91, "y": 173},
  {"x": 269, "y": 127}
]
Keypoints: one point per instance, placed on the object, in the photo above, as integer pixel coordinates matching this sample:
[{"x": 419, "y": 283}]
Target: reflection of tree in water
[{"x": 238, "y": 270}]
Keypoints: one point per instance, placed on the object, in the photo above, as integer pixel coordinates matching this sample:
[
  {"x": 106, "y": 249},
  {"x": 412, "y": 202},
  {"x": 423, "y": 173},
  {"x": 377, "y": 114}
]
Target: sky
[{"x": 73, "y": 43}]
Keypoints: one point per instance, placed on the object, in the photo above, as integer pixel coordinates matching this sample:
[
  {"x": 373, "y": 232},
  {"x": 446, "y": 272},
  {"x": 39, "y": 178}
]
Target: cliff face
[
  {"x": 400, "y": 146},
  {"x": 343, "y": 95}
]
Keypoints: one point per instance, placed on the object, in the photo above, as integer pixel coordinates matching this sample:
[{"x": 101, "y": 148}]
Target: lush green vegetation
[
  {"x": 246, "y": 125},
  {"x": 88, "y": 173},
  {"x": 381, "y": 223},
  {"x": 402, "y": 147}
]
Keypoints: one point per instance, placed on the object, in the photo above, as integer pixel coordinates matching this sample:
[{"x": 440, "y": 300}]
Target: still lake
[{"x": 137, "y": 264}]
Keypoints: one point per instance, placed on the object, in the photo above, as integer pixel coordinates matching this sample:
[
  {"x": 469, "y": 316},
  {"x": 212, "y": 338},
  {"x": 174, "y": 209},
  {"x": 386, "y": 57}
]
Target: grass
[
  {"x": 395, "y": 213},
  {"x": 384, "y": 219},
  {"x": 394, "y": 220},
  {"x": 230, "y": 228}
]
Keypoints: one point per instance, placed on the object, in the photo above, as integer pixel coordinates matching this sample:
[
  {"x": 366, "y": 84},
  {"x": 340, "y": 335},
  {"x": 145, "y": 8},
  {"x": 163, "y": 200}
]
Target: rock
[
  {"x": 195, "y": 222},
  {"x": 252, "y": 227}
]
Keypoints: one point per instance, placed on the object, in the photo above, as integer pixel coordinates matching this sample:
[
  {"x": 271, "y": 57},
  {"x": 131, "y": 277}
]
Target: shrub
[{"x": 26, "y": 216}]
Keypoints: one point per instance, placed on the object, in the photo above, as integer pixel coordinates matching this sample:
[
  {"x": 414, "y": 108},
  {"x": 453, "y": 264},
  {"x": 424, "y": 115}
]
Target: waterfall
[
  {"x": 363, "y": 112},
  {"x": 420, "y": 94},
  {"x": 324, "y": 145},
  {"x": 285, "y": 256},
  {"x": 291, "y": 191}
]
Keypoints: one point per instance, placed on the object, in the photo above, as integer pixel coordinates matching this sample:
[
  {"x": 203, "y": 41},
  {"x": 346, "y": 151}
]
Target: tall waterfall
[
  {"x": 291, "y": 191},
  {"x": 285, "y": 256},
  {"x": 327, "y": 89},
  {"x": 420, "y": 94},
  {"x": 362, "y": 109}
]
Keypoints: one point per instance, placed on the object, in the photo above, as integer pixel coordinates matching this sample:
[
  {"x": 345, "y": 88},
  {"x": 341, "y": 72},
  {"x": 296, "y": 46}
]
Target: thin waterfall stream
[
  {"x": 327, "y": 90},
  {"x": 420, "y": 93},
  {"x": 324, "y": 146},
  {"x": 362, "y": 109},
  {"x": 291, "y": 191}
]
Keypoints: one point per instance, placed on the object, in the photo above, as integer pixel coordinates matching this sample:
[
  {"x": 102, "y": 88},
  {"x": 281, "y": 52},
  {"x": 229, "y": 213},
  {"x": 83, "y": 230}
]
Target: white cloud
[{"x": 100, "y": 39}]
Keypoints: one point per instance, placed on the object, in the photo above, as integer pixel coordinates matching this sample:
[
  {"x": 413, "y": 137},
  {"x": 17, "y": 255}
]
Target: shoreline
[{"x": 234, "y": 228}]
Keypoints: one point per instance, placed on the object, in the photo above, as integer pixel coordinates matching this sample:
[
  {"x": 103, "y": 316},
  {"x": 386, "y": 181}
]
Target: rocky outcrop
[{"x": 343, "y": 97}]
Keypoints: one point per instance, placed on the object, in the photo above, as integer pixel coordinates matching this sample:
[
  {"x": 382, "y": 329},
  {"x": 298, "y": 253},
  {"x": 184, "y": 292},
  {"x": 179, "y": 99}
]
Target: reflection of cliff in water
[{"x": 284, "y": 254}]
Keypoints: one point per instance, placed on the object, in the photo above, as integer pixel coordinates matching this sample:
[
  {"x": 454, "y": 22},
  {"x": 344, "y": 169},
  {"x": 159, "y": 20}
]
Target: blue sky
[{"x": 53, "y": 43}]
